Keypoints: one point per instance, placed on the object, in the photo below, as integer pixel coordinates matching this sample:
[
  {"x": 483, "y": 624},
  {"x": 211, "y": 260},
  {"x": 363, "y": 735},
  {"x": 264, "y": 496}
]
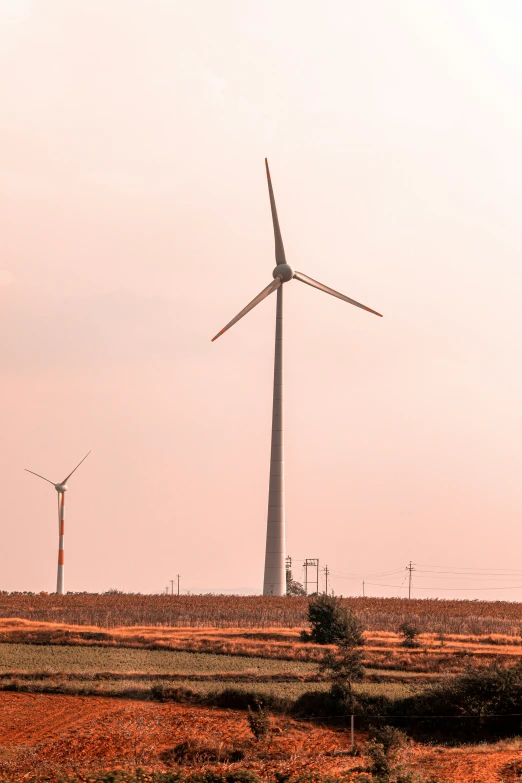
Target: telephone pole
[
  {"x": 312, "y": 562},
  {"x": 411, "y": 569},
  {"x": 363, "y": 588},
  {"x": 326, "y": 572},
  {"x": 172, "y": 586},
  {"x": 177, "y": 576}
]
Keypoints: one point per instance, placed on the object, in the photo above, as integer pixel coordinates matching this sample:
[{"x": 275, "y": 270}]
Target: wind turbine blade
[
  {"x": 279, "y": 249},
  {"x": 76, "y": 468},
  {"x": 37, "y": 474},
  {"x": 321, "y": 287},
  {"x": 274, "y": 285}
]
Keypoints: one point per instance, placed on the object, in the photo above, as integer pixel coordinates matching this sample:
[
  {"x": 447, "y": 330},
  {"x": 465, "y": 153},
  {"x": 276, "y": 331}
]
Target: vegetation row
[{"x": 115, "y": 609}]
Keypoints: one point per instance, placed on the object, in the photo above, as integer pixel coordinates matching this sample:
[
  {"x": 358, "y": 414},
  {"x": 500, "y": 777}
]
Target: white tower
[
  {"x": 61, "y": 488},
  {"x": 275, "y": 572}
]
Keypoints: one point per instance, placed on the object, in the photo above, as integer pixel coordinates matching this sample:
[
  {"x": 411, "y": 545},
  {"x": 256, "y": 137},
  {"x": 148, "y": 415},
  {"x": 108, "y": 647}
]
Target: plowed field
[{"x": 50, "y": 734}]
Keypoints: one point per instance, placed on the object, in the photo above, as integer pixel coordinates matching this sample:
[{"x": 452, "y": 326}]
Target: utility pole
[
  {"x": 411, "y": 569},
  {"x": 288, "y": 571},
  {"x": 172, "y": 586},
  {"x": 363, "y": 588},
  {"x": 312, "y": 562},
  {"x": 326, "y": 572},
  {"x": 177, "y": 576}
]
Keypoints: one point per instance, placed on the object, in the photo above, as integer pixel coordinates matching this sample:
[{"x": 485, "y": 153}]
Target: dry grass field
[
  {"x": 112, "y": 610},
  {"x": 436, "y": 654},
  {"x": 129, "y": 661}
]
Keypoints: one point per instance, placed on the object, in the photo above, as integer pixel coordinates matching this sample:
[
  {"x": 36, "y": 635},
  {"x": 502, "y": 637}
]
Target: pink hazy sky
[{"x": 136, "y": 223}]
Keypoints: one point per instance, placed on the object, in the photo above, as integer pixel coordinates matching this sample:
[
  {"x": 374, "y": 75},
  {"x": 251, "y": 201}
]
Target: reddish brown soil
[{"x": 51, "y": 734}]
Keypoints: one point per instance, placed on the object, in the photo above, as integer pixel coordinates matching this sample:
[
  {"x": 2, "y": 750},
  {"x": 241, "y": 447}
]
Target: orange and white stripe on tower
[
  {"x": 61, "y": 547},
  {"x": 61, "y": 488}
]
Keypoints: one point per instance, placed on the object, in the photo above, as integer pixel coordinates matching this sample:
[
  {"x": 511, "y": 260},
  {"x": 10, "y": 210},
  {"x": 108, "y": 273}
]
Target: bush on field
[
  {"x": 195, "y": 752},
  {"x": 331, "y": 622},
  {"x": 409, "y": 633},
  {"x": 485, "y": 699},
  {"x": 238, "y": 699},
  {"x": 259, "y": 722},
  {"x": 481, "y": 704},
  {"x": 384, "y": 747},
  {"x": 162, "y": 692}
]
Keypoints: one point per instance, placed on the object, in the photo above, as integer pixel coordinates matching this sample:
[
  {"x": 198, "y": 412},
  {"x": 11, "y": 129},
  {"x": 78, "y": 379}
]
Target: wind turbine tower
[
  {"x": 61, "y": 488},
  {"x": 275, "y": 573}
]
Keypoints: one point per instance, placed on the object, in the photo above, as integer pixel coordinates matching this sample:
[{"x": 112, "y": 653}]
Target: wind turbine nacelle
[
  {"x": 61, "y": 487},
  {"x": 284, "y": 271}
]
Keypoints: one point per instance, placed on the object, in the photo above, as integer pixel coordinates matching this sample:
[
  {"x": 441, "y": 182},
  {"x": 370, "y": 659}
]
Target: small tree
[
  {"x": 332, "y": 623},
  {"x": 343, "y": 668},
  {"x": 293, "y": 588},
  {"x": 409, "y": 633}
]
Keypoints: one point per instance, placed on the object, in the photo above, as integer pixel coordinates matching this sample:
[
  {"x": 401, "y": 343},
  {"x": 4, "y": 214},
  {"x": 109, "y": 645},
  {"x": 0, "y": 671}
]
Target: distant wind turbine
[
  {"x": 61, "y": 488},
  {"x": 275, "y": 570}
]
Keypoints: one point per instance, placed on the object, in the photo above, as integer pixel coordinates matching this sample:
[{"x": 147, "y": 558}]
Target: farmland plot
[
  {"x": 51, "y": 736},
  {"x": 112, "y": 610}
]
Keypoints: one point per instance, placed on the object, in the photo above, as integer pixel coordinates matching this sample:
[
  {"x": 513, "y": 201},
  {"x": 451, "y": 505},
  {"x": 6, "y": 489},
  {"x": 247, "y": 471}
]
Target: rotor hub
[
  {"x": 284, "y": 271},
  {"x": 61, "y": 487}
]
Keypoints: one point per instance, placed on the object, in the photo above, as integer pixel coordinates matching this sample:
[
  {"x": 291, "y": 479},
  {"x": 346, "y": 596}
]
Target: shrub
[
  {"x": 380, "y": 765},
  {"x": 238, "y": 699},
  {"x": 259, "y": 722},
  {"x": 331, "y": 622},
  {"x": 162, "y": 692},
  {"x": 485, "y": 699},
  {"x": 383, "y": 750},
  {"x": 390, "y": 738},
  {"x": 409, "y": 633},
  {"x": 195, "y": 752},
  {"x": 293, "y": 588}
]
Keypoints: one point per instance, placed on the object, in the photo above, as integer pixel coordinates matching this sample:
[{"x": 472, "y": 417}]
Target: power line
[
  {"x": 474, "y": 578},
  {"x": 436, "y": 587},
  {"x": 350, "y": 575},
  {"x": 470, "y": 568},
  {"x": 503, "y": 574},
  {"x": 424, "y": 572}
]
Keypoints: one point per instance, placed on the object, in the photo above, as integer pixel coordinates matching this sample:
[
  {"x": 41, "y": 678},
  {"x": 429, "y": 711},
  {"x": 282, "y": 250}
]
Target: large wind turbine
[
  {"x": 61, "y": 488},
  {"x": 275, "y": 567}
]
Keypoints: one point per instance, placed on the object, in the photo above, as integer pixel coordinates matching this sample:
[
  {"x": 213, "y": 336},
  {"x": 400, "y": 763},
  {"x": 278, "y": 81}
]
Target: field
[
  {"x": 133, "y": 672},
  {"x": 53, "y": 735},
  {"x": 437, "y": 654},
  {"x": 111, "y": 610},
  {"x": 76, "y": 697}
]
